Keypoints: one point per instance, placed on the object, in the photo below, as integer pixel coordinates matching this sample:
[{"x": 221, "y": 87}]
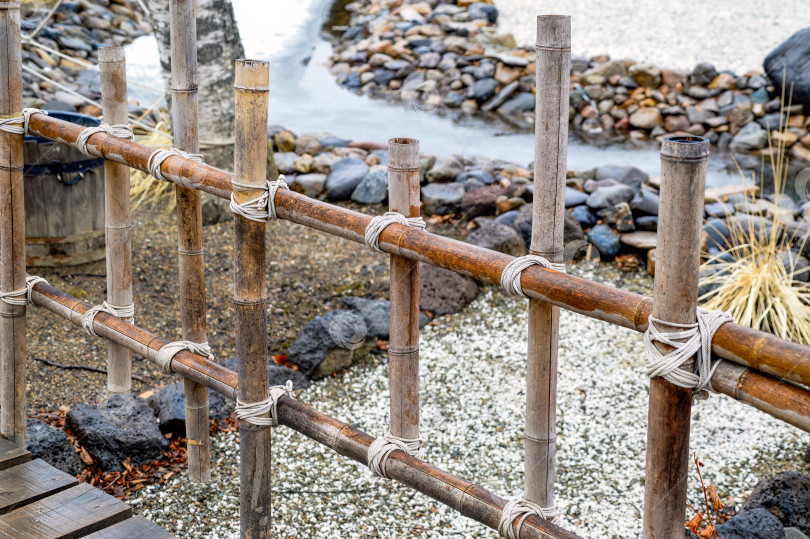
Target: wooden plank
[
  {"x": 11, "y": 455},
  {"x": 71, "y": 513},
  {"x": 29, "y": 482},
  {"x": 136, "y": 527}
]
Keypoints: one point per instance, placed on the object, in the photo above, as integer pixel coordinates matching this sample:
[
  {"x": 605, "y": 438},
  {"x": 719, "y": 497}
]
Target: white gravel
[
  {"x": 473, "y": 388},
  {"x": 731, "y": 34}
]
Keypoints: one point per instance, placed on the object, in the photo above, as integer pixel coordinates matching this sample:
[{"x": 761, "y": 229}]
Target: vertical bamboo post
[
  {"x": 551, "y": 148},
  {"x": 683, "y": 179},
  {"x": 403, "y": 347},
  {"x": 12, "y": 229},
  {"x": 118, "y": 224},
  {"x": 191, "y": 265},
  {"x": 250, "y": 298}
]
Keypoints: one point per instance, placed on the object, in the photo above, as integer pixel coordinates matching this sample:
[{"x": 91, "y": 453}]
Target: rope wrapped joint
[
  {"x": 19, "y": 124},
  {"x": 167, "y": 352},
  {"x": 22, "y": 297},
  {"x": 119, "y": 311},
  {"x": 510, "y": 278},
  {"x": 123, "y": 131},
  {"x": 517, "y": 511},
  {"x": 381, "y": 449},
  {"x": 157, "y": 158},
  {"x": 262, "y": 208},
  {"x": 381, "y": 222},
  {"x": 254, "y": 412},
  {"x": 689, "y": 340}
]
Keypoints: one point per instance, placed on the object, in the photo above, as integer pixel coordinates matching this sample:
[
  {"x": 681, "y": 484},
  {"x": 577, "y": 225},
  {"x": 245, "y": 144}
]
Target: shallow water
[{"x": 304, "y": 97}]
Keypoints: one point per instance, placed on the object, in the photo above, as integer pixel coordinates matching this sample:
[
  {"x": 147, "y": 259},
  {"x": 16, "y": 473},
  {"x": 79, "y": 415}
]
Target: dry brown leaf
[
  {"x": 709, "y": 532},
  {"x": 714, "y": 498},
  {"x": 85, "y": 456},
  {"x": 694, "y": 524}
]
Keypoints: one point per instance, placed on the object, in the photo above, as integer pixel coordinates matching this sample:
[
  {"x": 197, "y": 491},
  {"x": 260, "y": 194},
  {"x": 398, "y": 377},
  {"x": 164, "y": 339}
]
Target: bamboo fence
[{"x": 762, "y": 370}]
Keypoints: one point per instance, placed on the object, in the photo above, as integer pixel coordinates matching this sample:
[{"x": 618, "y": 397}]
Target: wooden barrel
[{"x": 64, "y": 201}]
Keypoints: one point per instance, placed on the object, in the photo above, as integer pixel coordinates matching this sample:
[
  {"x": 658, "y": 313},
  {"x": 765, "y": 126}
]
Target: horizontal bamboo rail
[
  {"x": 467, "y": 498},
  {"x": 748, "y": 347}
]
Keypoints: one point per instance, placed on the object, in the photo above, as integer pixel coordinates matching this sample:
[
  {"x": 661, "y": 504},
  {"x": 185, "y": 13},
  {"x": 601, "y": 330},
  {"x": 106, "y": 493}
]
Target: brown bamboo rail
[
  {"x": 469, "y": 499},
  {"x": 758, "y": 350},
  {"x": 548, "y": 217},
  {"x": 683, "y": 180},
  {"x": 190, "y": 262},
  {"x": 403, "y": 346},
  {"x": 12, "y": 230},
  {"x": 118, "y": 223},
  {"x": 250, "y": 295}
]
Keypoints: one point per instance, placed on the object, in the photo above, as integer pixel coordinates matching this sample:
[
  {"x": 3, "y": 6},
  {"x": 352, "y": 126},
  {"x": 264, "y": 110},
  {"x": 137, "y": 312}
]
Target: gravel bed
[
  {"x": 473, "y": 394},
  {"x": 731, "y": 34}
]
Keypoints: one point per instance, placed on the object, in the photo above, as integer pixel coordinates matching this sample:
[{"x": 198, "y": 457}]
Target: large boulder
[
  {"x": 786, "y": 496},
  {"x": 121, "y": 427},
  {"x": 443, "y": 291},
  {"x": 497, "y": 237},
  {"x": 376, "y": 314},
  {"x": 442, "y": 198},
  {"x": 51, "y": 444},
  {"x": 344, "y": 178},
  {"x": 329, "y": 343},
  {"x": 754, "y": 524},
  {"x": 789, "y": 64}
]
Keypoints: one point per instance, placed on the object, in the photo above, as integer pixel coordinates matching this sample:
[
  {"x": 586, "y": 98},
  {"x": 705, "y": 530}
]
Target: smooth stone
[
  {"x": 373, "y": 189},
  {"x": 718, "y": 236},
  {"x": 307, "y": 144},
  {"x": 310, "y": 185},
  {"x": 647, "y": 222},
  {"x": 641, "y": 239},
  {"x": 442, "y": 198},
  {"x": 475, "y": 174},
  {"x": 483, "y": 89},
  {"x": 646, "y": 201},
  {"x": 718, "y": 209},
  {"x": 751, "y": 137},
  {"x": 620, "y": 217},
  {"x": 703, "y": 74},
  {"x": 605, "y": 240},
  {"x": 169, "y": 403},
  {"x": 795, "y": 264},
  {"x": 572, "y": 230},
  {"x": 344, "y": 177},
  {"x": 592, "y": 185},
  {"x": 574, "y": 197},
  {"x": 483, "y": 10},
  {"x": 627, "y": 175},
  {"x": 500, "y": 97},
  {"x": 497, "y": 237},
  {"x": 481, "y": 201},
  {"x": 377, "y": 314},
  {"x": 522, "y": 102},
  {"x": 429, "y": 60},
  {"x": 646, "y": 118},
  {"x": 443, "y": 291},
  {"x": 507, "y": 218},
  {"x": 285, "y": 161},
  {"x": 445, "y": 169},
  {"x": 330, "y": 142},
  {"x": 583, "y": 216},
  {"x": 52, "y": 445},
  {"x": 788, "y": 64},
  {"x": 329, "y": 343},
  {"x": 609, "y": 196}
]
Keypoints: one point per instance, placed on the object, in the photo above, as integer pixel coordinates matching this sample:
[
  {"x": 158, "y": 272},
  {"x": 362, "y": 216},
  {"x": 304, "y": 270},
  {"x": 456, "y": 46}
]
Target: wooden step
[
  {"x": 71, "y": 513},
  {"x": 29, "y": 482},
  {"x": 136, "y": 527},
  {"x": 11, "y": 455}
]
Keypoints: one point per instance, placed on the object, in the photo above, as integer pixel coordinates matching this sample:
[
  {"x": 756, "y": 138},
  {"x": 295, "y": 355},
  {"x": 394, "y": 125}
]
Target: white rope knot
[
  {"x": 167, "y": 352},
  {"x": 19, "y": 124},
  {"x": 22, "y": 296},
  {"x": 510, "y": 278},
  {"x": 119, "y": 311},
  {"x": 158, "y": 156},
  {"x": 123, "y": 131},
  {"x": 254, "y": 412},
  {"x": 693, "y": 340},
  {"x": 380, "y": 222},
  {"x": 381, "y": 449},
  {"x": 519, "y": 510},
  {"x": 262, "y": 208}
]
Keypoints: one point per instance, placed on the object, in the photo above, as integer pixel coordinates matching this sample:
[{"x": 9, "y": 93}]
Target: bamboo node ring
[
  {"x": 167, "y": 352},
  {"x": 510, "y": 278},
  {"x": 381, "y": 448},
  {"x": 519, "y": 510},
  {"x": 122, "y": 131},
  {"x": 380, "y": 222},
  {"x": 22, "y": 296},
  {"x": 262, "y": 208},
  {"x": 692, "y": 340},
  {"x": 119, "y": 311},
  {"x": 253, "y": 412}
]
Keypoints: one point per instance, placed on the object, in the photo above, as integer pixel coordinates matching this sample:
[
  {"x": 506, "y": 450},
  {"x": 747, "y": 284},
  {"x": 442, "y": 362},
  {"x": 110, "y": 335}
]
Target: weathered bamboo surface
[
  {"x": 12, "y": 230},
  {"x": 470, "y": 499},
  {"x": 250, "y": 294},
  {"x": 748, "y": 347},
  {"x": 548, "y": 217},
  {"x": 403, "y": 346},
  {"x": 683, "y": 181},
  {"x": 118, "y": 224},
  {"x": 190, "y": 262}
]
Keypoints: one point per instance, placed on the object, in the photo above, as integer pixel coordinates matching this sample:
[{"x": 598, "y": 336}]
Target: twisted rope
[
  {"x": 119, "y": 311},
  {"x": 519, "y": 510},
  {"x": 262, "y": 208},
  {"x": 380, "y": 222},
  {"x": 253, "y": 412},
  {"x": 158, "y": 156},
  {"x": 123, "y": 131},
  {"x": 167, "y": 352},
  {"x": 23, "y": 295},
  {"x": 381, "y": 449},
  {"x": 693, "y": 340},
  {"x": 510, "y": 278},
  {"x": 19, "y": 124}
]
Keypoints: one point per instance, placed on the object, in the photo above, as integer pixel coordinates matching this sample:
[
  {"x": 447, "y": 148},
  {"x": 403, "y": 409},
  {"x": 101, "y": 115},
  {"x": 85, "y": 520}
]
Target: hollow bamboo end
[
  {"x": 253, "y": 75},
  {"x": 554, "y": 31},
  {"x": 403, "y": 153},
  {"x": 685, "y": 147},
  {"x": 110, "y": 54}
]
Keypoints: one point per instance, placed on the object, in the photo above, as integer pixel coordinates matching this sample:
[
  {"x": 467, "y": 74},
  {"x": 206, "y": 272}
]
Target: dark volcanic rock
[
  {"x": 786, "y": 496},
  {"x": 329, "y": 343},
  {"x": 51, "y": 444},
  {"x": 443, "y": 291},
  {"x": 789, "y": 64},
  {"x": 754, "y": 524},
  {"x": 121, "y": 427},
  {"x": 376, "y": 314}
]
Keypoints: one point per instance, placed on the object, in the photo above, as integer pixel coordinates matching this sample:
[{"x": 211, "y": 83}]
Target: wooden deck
[{"x": 39, "y": 501}]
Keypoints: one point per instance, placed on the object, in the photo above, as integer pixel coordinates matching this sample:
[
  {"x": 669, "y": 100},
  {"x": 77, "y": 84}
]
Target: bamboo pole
[
  {"x": 191, "y": 266},
  {"x": 751, "y": 348},
  {"x": 118, "y": 224},
  {"x": 12, "y": 230},
  {"x": 683, "y": 180},
  {"x": 548, "y": 215},
  {"x": 403, "y": 346},
  {"x": 250, "y": 296}
]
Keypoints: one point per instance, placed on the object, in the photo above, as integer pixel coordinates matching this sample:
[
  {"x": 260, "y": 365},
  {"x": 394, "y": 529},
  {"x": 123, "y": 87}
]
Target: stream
[{"x": 305, "y": 98}]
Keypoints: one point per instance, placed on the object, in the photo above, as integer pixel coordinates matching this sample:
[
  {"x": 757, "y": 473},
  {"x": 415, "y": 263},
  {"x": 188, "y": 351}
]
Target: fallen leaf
[
  {"x": 694, "y": 524},
  {"x": 714, "y": 498},
  {"x": 85, "y": 456}
]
